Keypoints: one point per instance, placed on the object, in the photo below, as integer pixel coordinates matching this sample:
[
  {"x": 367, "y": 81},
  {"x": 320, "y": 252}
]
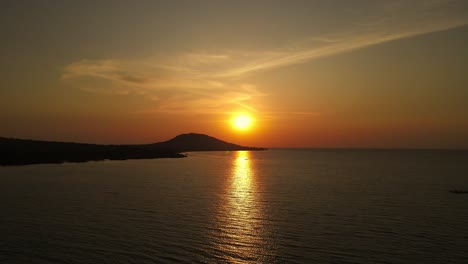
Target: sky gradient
[{"x": 310, "y": 73}]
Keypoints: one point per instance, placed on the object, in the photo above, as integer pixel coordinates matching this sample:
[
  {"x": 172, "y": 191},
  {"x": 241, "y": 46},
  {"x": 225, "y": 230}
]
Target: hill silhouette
[
  {"x": 198, "y": 142},
  {"x": 24, "y": 151}
]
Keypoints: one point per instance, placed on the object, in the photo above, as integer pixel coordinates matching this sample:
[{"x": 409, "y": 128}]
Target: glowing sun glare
[{"x": 242, "y": 122}]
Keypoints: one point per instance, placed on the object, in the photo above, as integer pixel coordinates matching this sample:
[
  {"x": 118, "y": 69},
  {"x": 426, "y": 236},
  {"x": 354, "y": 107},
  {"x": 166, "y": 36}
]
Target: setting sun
[{"x": 242, "y": 122}]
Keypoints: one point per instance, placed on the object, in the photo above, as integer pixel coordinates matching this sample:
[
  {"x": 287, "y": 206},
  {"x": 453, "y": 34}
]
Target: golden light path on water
[{"x": 241, "y": 220}]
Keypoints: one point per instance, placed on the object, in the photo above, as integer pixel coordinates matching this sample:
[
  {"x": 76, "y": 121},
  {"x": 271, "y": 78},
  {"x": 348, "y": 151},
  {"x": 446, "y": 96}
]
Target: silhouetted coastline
[
  {"x": 24, "y": 152},
  {"x": 459, "y": 191}
]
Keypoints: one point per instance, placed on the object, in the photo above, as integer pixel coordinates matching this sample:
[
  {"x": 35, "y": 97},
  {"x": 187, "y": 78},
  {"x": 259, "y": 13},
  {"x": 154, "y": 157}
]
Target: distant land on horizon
[{"x": 24, "y": 151}]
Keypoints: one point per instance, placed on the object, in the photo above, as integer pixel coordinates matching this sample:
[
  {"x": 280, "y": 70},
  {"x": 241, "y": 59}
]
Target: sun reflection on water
[{"x": 241, "y": 235}]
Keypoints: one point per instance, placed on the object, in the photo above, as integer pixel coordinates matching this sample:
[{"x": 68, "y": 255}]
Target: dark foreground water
[{"x": 276, "y": 206}]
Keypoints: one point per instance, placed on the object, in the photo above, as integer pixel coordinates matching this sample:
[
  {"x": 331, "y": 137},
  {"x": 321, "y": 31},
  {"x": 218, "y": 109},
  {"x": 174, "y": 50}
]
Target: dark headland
[{"x": 23, "y": 151}]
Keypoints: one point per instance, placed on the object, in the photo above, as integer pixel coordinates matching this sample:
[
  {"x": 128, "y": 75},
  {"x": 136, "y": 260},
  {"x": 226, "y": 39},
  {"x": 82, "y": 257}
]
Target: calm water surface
[{"x": 276, "y": 206}]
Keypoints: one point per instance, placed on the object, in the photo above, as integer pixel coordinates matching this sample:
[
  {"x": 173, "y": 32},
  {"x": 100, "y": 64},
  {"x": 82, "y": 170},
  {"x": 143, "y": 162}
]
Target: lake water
[{"x": 276, "y": 206}]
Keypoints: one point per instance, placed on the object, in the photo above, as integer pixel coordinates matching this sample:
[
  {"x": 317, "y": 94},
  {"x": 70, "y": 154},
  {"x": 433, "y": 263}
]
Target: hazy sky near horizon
[{"x": 311, "y": 73}]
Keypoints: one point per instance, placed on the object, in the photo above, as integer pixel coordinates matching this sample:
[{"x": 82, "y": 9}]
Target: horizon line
[{"x": 316, "y": 148}]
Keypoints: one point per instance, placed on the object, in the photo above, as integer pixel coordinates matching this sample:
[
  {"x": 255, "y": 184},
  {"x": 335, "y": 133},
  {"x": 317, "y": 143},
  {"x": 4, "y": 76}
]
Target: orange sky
[{"x": 310, "y": 73}]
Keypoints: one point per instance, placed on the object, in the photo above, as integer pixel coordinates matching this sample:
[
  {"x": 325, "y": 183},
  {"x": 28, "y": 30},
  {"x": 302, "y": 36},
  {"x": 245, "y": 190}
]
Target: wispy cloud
[
  {"x": 174, "y": 88},
  {"x": 394, "y": 20},
  {"x": 207, "y": 82}
]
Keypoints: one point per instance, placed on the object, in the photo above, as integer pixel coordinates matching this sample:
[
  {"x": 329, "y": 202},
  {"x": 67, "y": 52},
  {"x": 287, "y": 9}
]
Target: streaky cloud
[{"x": 204, "y": 81}]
